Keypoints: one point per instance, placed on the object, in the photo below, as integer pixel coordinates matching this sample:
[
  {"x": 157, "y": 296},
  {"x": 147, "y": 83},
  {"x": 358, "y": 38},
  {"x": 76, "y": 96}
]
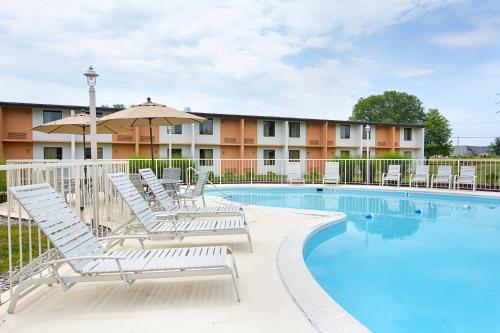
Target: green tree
[
  {"x": 437, "y": 134},
  {"x": 118, "y": 106},
  {"x": 495, "y": 146},
  {"x": 390, "y": 107}
]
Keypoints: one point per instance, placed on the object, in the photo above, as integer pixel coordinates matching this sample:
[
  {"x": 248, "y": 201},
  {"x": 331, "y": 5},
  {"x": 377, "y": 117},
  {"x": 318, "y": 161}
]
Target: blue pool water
[{"x": 403, "y": 271}]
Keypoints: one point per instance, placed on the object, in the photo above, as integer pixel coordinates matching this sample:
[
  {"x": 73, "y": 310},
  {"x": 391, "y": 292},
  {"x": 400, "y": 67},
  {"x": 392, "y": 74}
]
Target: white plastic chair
[
  {"x": 392, "y": 174},
  {"x": 443, "y": 176},
  {"x": 467, "y": 176},
  {"x": 332, "y": 173},
  {"x": 294, "y": 173},
  {"x": 421, "y": 175}
]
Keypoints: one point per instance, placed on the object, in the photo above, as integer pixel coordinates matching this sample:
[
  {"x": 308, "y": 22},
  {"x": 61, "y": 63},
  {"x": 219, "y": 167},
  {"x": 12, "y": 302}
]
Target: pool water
[{"x": 423, "y": 263}]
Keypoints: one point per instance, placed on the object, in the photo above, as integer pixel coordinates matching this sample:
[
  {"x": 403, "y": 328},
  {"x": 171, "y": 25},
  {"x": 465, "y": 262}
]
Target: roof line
[{"x": 203, "y": 114}]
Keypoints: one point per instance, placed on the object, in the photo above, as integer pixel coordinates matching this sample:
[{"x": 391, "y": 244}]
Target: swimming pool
[{"x": 423, "y": 263}]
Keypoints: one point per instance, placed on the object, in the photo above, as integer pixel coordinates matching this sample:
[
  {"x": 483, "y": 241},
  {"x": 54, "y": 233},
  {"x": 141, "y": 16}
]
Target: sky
[{"x": 306, "y": 58}]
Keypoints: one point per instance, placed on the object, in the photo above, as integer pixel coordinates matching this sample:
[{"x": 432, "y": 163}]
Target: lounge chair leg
[
  {"x": 235, "y": 287},
  {"x": 15, "y": 297},
  {"x": 249, "y": 242}
]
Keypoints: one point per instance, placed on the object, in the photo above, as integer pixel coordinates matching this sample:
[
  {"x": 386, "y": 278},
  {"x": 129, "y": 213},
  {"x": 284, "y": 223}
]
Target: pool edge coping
[{"x": 322, "y": 311}]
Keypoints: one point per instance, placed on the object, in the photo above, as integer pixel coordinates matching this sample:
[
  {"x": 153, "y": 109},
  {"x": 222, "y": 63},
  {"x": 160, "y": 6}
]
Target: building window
[
  {"x": 294, "y": 129},
  {"x": 177, "y": 129},
  {"x": 345, "y": 131},
  {"x": 49, "y": 116},
  {"x": 207, "y": 127},
  {"x": 363, "y": 155},
  {"x": 407, "y": 133},
  {"x": 345, "y": 153},
  {"x": 269, "y": 128},
  {"x": 294, "y": 155},
  {"x": 407, "y": 154},
  {"x": 98, "y": 114},
  {"x": 88, "y": 154},
  {"x": 206, "y": 157},
  {"x": 367, "y": 135},
  {"x": 52, "y": 153},
  {"x": 177, "y": 152},
  {"x": 269, "y": 157}
]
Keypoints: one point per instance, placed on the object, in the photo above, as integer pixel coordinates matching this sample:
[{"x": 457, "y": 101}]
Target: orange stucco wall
[
  {"x": 230, "y": 129},
  {"x": 396, "y": 137},
  {"x": 145, "y": 150},
  {"x": 231, "y": 152},
  {"x": 331, "y": 134},
  {"x": 383, "y": 136},
  {"x": 144, "y": 132},
  {"x": 129, "y": 135},
  {"x": 379, "y": 151},
  {"x": 17, "y": 120},
  {"x": 123, "y": 150},
  {"x": 314, "y": 153},
  {"x": 315, "y": 131},
  {"x": 18, "y": 150},
  {"x": 251, "y": 130}
]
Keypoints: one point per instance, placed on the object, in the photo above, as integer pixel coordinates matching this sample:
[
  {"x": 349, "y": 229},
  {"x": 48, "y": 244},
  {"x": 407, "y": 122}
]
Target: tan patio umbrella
[
  {"x": 149, "y": 114},
  {"x": 78, "y": 124}
]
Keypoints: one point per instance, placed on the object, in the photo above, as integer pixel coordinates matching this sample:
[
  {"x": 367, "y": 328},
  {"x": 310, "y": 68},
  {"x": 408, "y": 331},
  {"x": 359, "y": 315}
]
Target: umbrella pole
[{"x": 151, "y": 144}]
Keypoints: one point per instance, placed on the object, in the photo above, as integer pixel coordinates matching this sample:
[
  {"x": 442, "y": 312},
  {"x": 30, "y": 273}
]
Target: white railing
[
  {"x": 72, "y": 179},
  {"x": 352, "y": 171}
]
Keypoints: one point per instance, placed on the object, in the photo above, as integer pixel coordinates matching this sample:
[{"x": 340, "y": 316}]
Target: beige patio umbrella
[
  {"x": 149, "y": 114},
  {"x": 78, "y": 124}
]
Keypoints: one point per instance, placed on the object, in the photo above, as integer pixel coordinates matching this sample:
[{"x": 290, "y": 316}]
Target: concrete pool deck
[{"x": 187, "y": 305}]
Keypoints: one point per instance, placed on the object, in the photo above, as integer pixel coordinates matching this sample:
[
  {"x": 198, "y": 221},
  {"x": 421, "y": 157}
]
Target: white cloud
[
  {"x": 473, "y": 38},
  {"x": 214, "y": 56},
  {"x": 411, "y": 72}
]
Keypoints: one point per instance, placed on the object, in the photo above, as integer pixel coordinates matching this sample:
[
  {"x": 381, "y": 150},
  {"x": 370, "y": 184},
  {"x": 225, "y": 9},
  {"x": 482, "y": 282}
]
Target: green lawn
[{"x": 4, "y": 247}]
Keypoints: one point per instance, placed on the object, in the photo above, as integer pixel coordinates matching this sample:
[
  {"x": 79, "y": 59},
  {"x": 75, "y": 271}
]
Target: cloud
[
  {"x": 213, "y": 56},
  {"x": 474, "y": 38},
  {"x": 411, "y": 72}
]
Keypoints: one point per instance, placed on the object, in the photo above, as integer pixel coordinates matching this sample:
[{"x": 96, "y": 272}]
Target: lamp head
[{"x": 91, "y": 76}]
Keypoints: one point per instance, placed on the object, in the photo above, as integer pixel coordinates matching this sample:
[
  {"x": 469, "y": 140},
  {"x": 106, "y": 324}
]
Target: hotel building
[{"x": 221, "y": 136}]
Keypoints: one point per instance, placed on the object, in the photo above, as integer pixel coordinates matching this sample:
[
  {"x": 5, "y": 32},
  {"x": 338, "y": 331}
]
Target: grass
[{"x": 4, "y": 247}]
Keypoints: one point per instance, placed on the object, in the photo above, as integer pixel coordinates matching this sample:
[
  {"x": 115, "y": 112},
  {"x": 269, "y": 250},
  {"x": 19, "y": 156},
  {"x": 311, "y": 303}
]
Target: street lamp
[
  {"x": 91, "y": 76},
  {"x": 91, "y": 81},
  {"x": 367, "y": 136}
]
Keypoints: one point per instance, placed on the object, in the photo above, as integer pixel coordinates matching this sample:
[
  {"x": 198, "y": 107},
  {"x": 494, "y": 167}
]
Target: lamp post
[
  {"x": 91, "y": 76},
  {"x": 367, "y": 131}
]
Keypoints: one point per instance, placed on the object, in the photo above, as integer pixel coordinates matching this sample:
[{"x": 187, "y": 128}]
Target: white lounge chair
[
  {"x": 192, "y": 194},
  {"x": 294, "y": 173},
  {"x": 421, "y": 175},
  {"x": 443, "y": 176},
  {"x": 164, "y": 224},
  {"x": 467, "y": 176},
  {"x": 75, "y": 245},
  {"x": 168, "y": 204},
  {"x": 332, "y": 173},
  {"x": 392, "y": 174}
]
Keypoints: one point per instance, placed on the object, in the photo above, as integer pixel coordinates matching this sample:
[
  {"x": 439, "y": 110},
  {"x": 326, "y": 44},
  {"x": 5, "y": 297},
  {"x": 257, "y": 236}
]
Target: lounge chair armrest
[
  {"x": 124, "y": 237},
  {"x": 166, "y": 214},
  {"x": 125, "y": 226},
  {"x": 63, "y": 260},
  {"x": 113, "y": 240}
]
